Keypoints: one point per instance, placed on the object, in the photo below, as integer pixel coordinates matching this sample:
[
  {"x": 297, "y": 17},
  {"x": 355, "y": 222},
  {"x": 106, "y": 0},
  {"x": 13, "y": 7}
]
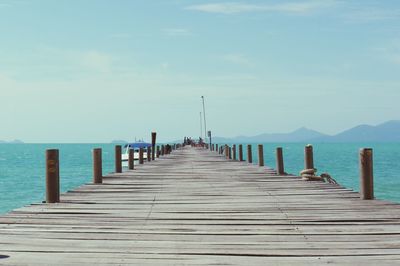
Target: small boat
[{"x": 135, "y": 147}]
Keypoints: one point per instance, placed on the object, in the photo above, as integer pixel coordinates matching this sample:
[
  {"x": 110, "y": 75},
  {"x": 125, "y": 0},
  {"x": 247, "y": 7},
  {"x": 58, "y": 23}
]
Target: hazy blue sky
[{"x": 97, "y": 70}]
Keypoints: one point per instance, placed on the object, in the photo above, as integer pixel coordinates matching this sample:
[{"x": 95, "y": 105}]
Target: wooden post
[
  {"x": 162, "y": 150},
  {"x": 280, "y": 170},
  {"x": 148, "y": 154},
  {"x": 118, "y": 160},
  {"x": 226, "y": 151},
  {"x": 249, "y": 154},
  {"x": 260, "y": 155},
  {"x": 158, "y": 151},
  {"x": 97, "y": 167},
  {"x": 216, "y": 148},
  {"x": 308, "y": 157},
  {"x": 240, "y": 153},
  {"x": 366, "y": 174},
  {"x": 52, "y": 176},
  {"x": 234, "y": 152},
  {"x": 141, "y": 161},
  {"x": 131, "y": 164},
  {"x": 153, "y": 144},
  {"x": 230, "y": 153}
]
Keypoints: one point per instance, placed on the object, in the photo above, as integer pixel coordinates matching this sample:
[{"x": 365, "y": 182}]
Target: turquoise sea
[{"x": 22, "y": 167}]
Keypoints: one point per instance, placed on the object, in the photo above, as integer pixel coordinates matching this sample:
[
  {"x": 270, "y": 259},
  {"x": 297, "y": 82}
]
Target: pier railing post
[
  {"x": 162, "y": 150},
  {"x": 158, "y": 151},
  {"x": 131, "y": 159},
  {"x": 153, "y": 144},
  {"x": 97, "y": 166},
  {"x": 141, "y": 161},
  {"x": 260, "y": 155},
  {"x": 280, "y": 169},
  {"x": 118, "y": 161},
  {"x": 52, "y": 176},
  {"x": 234, "y": 152},
  {"x": 230, "y": 153},
  {"x": 366, "y": 174},
  {"x": 308, "y": 157},
  {"x": 216, "y": 148},
  {"x": 148, "y": 154},
  {"x": 240, "y": 153},
  {"x": 226, "y": 151},
  {"x": 249, "y": 154}
]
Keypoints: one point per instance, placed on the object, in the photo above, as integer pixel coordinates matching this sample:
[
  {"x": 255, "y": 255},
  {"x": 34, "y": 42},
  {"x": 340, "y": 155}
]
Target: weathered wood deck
[{"x": 196, "y": 208}]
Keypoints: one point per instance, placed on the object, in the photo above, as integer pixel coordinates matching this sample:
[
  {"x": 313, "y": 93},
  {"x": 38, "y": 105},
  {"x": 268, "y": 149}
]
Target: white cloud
[
  {"x": 288, "y": 7},
  {"x": 238, "y": 59},
  {"x": 165, "y": 65},
  {"x": 176, "y": 32},
  {"x": 97, "y": 61},
  {"x": 120, "y": 36},
  {"x": 371, "y": 14},
  {"x": 389, "y": 51}
]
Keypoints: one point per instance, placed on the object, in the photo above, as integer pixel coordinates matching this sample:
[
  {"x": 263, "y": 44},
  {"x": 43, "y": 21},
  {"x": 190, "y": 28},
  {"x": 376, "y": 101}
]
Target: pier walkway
[{"x": 194, "y": 207}]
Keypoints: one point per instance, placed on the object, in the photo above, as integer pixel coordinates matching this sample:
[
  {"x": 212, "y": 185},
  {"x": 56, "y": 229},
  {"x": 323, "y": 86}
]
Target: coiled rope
[{"x": 311, "y": 175}]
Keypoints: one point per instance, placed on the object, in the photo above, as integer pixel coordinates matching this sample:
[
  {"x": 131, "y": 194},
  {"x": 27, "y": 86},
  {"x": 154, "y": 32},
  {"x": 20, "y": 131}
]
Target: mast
[
  {"x": 201, "y": 126},
  {"x": 205, "y": 124}
]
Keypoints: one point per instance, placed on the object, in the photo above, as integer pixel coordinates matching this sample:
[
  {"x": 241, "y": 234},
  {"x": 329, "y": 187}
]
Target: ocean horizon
[{"x": 22, "y": 167}]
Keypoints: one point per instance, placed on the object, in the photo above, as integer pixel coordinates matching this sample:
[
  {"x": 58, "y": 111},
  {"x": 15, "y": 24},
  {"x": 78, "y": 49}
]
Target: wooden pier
[{"x": 196, "y": 207}]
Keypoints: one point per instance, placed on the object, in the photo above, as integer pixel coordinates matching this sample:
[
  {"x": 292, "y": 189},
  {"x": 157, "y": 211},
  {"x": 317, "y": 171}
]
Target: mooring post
[
  {"x": 234, "y": 152},
  {"x": 366, "y": 174},
  {"x": 52, "y": 176},
  {"x": 249, "y": 154},
  {"x": 280, "y": 170},
  {"x": 226, "y": 151},
  {"x": 230, "y": 153},
  {"x": 158, "y": 151},
  {"x": 308, "y": 157},
  {"x": 141, "y": 161},
  {"x": 148, "y": 154},
  {"x": 240, "y": 153},
  {"x": 260, "y": 155},
  {"x": 153, "y": 144},
  {"x": 118, "y": 159},
  {"x": 131, "y": 159},
  {"x": 162, "y": 150},
  {"x": 97, "y": 166}
]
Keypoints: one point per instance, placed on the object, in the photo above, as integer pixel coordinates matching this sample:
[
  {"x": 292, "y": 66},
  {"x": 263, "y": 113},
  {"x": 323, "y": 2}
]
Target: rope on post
[{"x": 311, "y": 175}]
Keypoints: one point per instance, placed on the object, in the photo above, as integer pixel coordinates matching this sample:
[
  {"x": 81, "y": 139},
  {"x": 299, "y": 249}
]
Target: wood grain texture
[{"x": 194, "y": 207}]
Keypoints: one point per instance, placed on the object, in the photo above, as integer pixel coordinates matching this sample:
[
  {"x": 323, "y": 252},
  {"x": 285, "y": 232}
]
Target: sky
[{"x": 100, "y": 70}]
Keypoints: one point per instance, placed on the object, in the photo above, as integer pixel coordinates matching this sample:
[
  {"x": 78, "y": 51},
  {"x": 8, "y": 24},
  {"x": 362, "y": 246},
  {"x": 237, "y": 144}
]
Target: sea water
[
  {"x": 22, "y": 170},
  {"x": 22, "y": 167}
]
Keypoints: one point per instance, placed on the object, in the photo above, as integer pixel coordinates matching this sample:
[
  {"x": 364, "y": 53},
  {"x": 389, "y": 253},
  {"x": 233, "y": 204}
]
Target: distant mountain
[
  {"x": 386, "y": 132},
  {"x": 300, "y": 135},
  {"x": 17, "y": 141}
]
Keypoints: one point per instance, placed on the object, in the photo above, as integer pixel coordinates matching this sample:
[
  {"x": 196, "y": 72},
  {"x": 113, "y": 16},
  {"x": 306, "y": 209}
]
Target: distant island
[
  {"x": 16, "y": 141},
  {"x": 386, "y": 132},
  {"x": 119, "y": 142}
]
